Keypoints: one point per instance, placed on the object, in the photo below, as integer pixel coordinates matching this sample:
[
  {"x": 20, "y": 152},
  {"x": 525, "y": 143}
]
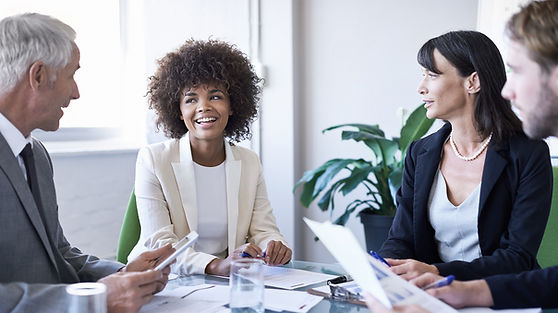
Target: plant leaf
[
  {"x": 357, "y": 177},
  {"x": 383, "y": 148},
  {"x": 309, "y": 180},
  {"x": 327, "y": 200},
  {"x": 329, "y": 174},
  {"x": 395, "y": 177},
  {"x": 372, "y": 129},
  {"x": 342, "y": 220}
]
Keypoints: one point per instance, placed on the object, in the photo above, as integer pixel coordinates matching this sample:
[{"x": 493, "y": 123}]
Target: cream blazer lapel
[{"x": 186, "y": 181}]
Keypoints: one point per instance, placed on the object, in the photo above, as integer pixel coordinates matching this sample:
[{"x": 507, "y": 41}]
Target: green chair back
[
  {"x": 130, "y": 231},
  {"x": 548, "y": 251}
]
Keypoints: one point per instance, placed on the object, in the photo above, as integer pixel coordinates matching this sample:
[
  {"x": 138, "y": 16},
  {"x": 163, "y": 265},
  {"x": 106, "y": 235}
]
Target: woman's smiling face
[{"x": 205, "y": 110}]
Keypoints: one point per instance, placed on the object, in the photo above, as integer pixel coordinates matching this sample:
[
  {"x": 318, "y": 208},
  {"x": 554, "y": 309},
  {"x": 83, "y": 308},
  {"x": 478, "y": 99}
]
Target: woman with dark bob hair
[
  {"x": 204, "y": 92},
  {"x": 476, "y": 194}
]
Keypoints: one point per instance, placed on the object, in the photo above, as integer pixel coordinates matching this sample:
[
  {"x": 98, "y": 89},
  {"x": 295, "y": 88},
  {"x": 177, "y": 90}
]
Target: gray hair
[{"x": 28, "y": 38}]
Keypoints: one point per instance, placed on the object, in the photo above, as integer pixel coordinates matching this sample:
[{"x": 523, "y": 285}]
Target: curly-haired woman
[{"x": 204, "y": 92}]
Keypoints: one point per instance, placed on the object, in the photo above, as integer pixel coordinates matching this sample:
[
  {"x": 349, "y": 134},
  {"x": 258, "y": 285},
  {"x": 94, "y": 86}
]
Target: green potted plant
[{"x": 380, "y": 176}]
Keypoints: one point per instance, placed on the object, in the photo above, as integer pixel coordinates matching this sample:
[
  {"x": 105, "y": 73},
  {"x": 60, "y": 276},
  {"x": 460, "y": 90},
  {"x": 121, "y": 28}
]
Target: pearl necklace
[{"x": 472, "y": 157}]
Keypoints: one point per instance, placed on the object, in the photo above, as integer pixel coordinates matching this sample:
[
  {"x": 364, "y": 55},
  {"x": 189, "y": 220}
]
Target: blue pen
[
  {"x": 378, "y": 257},
  {"x": 440, "y": 283},
  {"x": 246, "y": 255}
]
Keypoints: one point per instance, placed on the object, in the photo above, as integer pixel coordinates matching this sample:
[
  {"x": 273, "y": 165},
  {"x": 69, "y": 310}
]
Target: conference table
[
  {"x": 326, "y": 305},
  {"x": 323, "y": 306}
]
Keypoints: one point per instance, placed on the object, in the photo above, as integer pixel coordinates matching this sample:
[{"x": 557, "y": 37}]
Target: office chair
[
  {"x": 130, "y": 231},
  {"x": 548, "y": 251}
]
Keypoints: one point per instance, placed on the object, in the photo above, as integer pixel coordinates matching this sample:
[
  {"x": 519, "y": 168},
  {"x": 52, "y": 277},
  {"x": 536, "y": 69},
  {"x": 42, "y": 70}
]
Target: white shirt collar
[{"x": 13, "y": 136}]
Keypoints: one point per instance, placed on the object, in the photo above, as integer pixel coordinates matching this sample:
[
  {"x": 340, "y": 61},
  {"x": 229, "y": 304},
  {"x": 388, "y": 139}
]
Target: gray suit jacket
[{"x": 37, "y": 260}]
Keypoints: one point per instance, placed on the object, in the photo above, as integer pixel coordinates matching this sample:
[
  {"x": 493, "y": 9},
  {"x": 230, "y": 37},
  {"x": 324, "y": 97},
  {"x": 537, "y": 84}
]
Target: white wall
[{"x": 93, "y": 191}]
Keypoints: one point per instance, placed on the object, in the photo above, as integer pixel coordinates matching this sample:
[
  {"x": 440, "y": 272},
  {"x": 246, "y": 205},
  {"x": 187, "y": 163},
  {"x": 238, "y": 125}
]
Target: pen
[
  {"x": 440, "y": 283},
  {"x": 378, "y": 257},
  {"x": 247, "y": 255}
]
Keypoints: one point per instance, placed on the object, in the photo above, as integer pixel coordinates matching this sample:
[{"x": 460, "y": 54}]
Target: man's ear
[
  {"x": 37, "y": 75},
  {"x": 472, "y": 83}
]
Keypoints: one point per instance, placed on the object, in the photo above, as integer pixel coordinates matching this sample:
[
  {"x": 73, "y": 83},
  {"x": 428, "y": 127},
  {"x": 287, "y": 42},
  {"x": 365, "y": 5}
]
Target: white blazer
[{"x": 167, "y": 208}]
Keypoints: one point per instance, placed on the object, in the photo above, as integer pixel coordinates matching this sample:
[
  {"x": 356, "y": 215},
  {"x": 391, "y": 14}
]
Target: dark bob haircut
[
  {"x": 200, "y": 63},
  {"x": 468, "y": 52}
]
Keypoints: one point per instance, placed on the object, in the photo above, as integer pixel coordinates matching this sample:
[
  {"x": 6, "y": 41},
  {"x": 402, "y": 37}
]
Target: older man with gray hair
[{"x": 38, "y": 59}]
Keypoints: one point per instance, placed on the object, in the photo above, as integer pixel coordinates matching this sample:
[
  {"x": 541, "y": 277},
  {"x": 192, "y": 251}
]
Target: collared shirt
[{"x": 15, "y": 140}]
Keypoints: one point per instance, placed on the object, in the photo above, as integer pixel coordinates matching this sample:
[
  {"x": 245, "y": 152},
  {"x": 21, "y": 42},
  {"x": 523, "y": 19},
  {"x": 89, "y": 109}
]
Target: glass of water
[
  {"x": 87, "y": 298},
  {"x": 247, "y": 286}
]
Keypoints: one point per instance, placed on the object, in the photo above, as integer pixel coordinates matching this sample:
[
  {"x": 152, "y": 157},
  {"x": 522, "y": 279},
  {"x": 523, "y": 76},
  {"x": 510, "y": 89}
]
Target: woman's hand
[
  {"x": 222, "y": 267},
  {"x": 409, "y": 268},
  {"x": 277, "y": 253}
]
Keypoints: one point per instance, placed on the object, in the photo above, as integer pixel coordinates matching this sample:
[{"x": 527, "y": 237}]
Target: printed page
[
  {"x": 213, "y": 296},
  {"x": 290, "y": 278},
  {"x": 372, "y": 275}
]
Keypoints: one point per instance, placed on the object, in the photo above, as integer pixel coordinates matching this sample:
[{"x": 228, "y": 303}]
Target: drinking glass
[
  {"x": 247, "y": 286},
  {"x": 87, "y": 298}
]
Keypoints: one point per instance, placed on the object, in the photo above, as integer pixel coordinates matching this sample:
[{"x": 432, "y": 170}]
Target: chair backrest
[
  {"x": 548, "y": 251},
  {"x": 130, "y": 231}
]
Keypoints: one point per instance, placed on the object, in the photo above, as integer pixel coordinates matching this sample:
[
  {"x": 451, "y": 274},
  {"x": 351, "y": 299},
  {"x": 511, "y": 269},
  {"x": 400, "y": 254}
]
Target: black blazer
[
  {"x": 531, "y": 289},
  {"x": 514, "y": 205}
]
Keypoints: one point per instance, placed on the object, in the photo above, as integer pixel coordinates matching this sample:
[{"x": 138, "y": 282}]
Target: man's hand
[
  {"x": 277, "y": 253},
  {"x": 149, "y": 259},
  {"x": 377, "y": 307},
  {"x": 458, "y": 294},
  {"x": 409, "y": 268},
  {"x": 127, "y": 292}
]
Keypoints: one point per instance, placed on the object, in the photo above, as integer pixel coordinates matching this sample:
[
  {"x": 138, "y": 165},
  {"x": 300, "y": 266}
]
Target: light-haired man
[
  {"x": 532, "y": 87},
  {"x": 38, "y": 59}
]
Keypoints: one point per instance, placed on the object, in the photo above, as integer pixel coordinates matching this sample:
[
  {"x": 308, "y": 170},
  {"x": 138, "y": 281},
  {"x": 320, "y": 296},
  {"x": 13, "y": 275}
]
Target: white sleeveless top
[
  {"x": 211, "y": 196},
  {"x": 455, "y": 227}
]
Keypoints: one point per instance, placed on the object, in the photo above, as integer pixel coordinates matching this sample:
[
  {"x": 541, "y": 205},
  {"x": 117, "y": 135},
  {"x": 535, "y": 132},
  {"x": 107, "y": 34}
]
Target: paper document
[
  {"x": 172, "y": 301},
  {"x": 372, "y": 275},
  {"x": 289, "y": 300},
  {"x": 214, "y": 296},
  {"x": 290, "y": 278}
]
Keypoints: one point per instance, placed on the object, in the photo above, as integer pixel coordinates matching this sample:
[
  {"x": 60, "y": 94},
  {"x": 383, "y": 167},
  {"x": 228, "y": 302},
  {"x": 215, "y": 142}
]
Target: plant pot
[{"x": 376, "y": 229}]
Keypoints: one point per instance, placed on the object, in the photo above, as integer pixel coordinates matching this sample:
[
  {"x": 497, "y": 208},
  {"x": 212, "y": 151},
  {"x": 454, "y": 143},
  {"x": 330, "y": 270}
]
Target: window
[
  {"x": 98, "y": 37},
  {"x": 120, "y": 42}
]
